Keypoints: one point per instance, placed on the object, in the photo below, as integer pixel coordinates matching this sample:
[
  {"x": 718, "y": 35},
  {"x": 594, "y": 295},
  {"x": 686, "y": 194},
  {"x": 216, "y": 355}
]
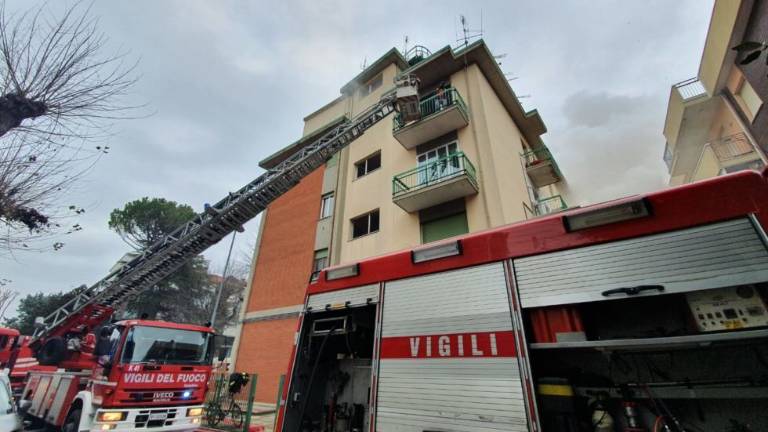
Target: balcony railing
[
  {"x": 541, "y": 167},
  {"x": 552, "y": 204},
  {"x": 731, "y": 147},
  {"x": 434, "y": 103},
  {"x": 691, "y": 89},
  {"x": 443, "y": 169}
]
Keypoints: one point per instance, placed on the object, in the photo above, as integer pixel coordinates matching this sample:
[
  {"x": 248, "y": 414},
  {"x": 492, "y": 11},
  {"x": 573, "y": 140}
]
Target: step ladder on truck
[
  {"x": 78, "y": 372},
  {"x": 640, "y": 314}
]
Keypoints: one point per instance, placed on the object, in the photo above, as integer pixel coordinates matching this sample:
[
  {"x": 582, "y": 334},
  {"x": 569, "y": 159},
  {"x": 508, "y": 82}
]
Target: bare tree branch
[{"x": 57, "y": 93}]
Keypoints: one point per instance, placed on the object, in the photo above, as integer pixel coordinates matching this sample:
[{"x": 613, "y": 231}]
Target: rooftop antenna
[
  {"x": 467, "y": 34},
  {"x": 405, "y": 45},
  {"x": 364, "y": 64},
  {"x": 500, "y": 56}
]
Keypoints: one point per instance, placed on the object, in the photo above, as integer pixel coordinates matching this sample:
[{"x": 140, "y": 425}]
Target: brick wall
[
  {"x": 286, "y": 250},
  {"x": 265, "y": 348},
  {"x": 283, "y": 267}
]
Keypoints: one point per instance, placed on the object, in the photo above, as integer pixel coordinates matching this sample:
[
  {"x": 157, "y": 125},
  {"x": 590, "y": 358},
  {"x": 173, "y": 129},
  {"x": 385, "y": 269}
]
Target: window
[
  {"x": 369, "y": 164},
  {"x": 443, "y": 220},
  {"x": 371, "y": 85},
  {"x": 320, "y": 262},
  {"x": 437, "y": 171},
  {"x": 749, "y": 100},
  {"x": 326, "y": 206},
  {"x": 365, "y": 224}
]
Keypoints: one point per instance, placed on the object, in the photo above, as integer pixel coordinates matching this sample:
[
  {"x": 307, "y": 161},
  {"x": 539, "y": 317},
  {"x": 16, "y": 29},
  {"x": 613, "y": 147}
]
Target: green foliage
[
  {"x": 35, "y": 305},
  {"x": 189, "y": 294},
  {"x": 143, "y": 222},
  {"x": 183, "y": 296}
]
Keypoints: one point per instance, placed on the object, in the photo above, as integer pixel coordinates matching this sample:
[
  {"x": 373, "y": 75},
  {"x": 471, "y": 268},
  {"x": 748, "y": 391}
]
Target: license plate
[{"x": 158, "y": 416}]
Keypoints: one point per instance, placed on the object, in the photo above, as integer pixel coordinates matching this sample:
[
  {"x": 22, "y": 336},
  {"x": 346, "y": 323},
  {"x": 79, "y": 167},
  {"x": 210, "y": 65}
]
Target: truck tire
[
  {"x": 52, "y": 352},
  {"x": 72, "y": 423}
]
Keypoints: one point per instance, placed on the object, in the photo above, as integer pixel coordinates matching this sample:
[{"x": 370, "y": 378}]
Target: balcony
[
  {"x": 434, "y": 183},
  {"x": 541, "y": 167},
  {"x": 440, "y": 114},
  {"x": 548, "y": 205},
  {"x": 690, "y": 89}
]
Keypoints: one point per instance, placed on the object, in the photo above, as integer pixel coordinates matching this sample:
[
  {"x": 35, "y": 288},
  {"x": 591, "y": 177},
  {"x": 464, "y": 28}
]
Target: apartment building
[
  {"x": 473, "y": 161},
  {"x": 716, "y": 122}
]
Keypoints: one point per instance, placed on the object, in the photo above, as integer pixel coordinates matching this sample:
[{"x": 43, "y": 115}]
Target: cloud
[
  {"x": 229, "y": 82},
  {"x": 595, "y": 109}
]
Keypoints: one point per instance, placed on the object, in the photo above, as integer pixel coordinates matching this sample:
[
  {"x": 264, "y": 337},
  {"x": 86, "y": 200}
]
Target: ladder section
[{"x": 94, "y": 304}]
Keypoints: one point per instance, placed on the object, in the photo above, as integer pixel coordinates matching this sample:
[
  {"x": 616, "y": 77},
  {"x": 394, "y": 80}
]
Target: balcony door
[{"x": 435, "y": 164}]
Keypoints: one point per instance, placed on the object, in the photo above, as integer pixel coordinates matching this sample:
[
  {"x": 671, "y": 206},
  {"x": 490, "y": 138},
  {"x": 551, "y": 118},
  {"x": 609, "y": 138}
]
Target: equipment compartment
[
  {"x": 648, "y": 364},
  {"x": 330, "y": 390}
]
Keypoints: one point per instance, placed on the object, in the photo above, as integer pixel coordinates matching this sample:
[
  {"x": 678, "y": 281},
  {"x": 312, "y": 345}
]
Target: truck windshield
[{"x": 166, "y": 346}]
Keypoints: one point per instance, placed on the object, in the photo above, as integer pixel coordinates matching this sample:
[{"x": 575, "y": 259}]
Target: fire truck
[
  {"x": 646, "y": 313},
  {"x": 81, "y": 372}
]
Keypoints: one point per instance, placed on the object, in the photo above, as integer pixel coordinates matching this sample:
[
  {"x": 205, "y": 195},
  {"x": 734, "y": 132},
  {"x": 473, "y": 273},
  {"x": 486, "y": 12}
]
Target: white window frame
[
  {"x": 368, "y": 220},
  {"x": 364, "y": 161},
  {"x": 439, "y": 172},
  {"x": 327, "y": 202}
]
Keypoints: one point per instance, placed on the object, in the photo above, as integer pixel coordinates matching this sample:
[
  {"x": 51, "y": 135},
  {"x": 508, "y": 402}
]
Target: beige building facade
[
  {"x": 474, "y": 160},
  {"x": 715, "y": 120}
]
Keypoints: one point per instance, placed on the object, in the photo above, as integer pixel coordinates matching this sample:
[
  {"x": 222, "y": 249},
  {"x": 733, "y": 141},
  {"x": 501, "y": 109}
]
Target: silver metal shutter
[
  {"x": 357, "y": 296},
  {"x": 710, "y": 256},
  {"x": 450, "y": 393}
]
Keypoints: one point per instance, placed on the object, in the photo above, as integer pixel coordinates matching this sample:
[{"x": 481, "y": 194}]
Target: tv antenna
[
  {"x": 405, "y": 44},
  {"x": 468, "y": 34},
  {"x": 364, "y": 64}
]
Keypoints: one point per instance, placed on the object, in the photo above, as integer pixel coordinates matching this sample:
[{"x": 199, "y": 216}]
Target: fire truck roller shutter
[
  {"x": 448, "y": 358},
  {"x": 359, "y": 296},
  {"x": 709, "y": 256}
]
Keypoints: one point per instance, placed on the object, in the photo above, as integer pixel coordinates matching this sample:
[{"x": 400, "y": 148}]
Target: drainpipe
[{"x": 743, "y": 124}]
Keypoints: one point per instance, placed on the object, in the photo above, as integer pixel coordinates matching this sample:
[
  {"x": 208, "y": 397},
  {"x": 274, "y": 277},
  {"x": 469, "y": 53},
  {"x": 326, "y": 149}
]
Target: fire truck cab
[
  {"x": 641, "y": 314},
  {"x": 136, "y": 375}
]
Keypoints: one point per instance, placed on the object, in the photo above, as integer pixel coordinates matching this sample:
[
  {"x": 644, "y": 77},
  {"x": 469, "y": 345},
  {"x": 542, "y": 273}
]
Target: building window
[
  {"x": 371, "y": 85},
  {"x": 365, "y": 224},
  {"x": 748, "y": 99},
  {"x": 443, "y": 220},
  {"x": 368, "y": 165},
  {"x": 320, "y": 262},
  {"x": 326, "y": 206}
]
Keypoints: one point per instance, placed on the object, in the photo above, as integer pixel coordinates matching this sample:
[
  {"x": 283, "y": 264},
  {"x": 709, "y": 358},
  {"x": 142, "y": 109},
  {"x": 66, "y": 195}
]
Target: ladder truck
[{"x": 152, "y": 375}]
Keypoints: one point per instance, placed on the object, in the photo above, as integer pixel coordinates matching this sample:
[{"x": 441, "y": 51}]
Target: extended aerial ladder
[{"x": 93, "y": 305}]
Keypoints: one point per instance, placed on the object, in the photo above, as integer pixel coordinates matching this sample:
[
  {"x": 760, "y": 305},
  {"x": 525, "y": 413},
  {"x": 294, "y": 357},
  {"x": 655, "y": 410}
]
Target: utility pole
[{"x": 223, "y": 281}]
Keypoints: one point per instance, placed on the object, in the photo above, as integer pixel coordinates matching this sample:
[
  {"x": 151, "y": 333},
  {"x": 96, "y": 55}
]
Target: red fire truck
[
  {"x": 137, "y": 375},
  {"x": 641, "y": 314}
]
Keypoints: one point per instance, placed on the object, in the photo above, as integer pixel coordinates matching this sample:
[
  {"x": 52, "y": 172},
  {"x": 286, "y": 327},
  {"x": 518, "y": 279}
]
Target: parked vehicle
[
  {"x": 639, "y": 314},
  {"x": 9, "y": 419}
]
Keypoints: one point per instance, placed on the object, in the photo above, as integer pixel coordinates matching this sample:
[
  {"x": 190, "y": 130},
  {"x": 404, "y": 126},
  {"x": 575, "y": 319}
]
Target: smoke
[{"x": 611, "y": 145}]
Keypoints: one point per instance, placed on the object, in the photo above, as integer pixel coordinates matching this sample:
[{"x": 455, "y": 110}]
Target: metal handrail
[
  {"x": 731, "y": 147},
  {"x": 434, "y": 103},
  {"x": 552, "y": 204},
  {"x": 450, "y": 166},
  {"x": 690, "y": 89}
]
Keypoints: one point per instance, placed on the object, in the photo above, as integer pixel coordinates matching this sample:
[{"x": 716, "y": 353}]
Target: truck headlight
[
  {"x": 111, "y": 416},
  {"x": 194, "y": 412}
]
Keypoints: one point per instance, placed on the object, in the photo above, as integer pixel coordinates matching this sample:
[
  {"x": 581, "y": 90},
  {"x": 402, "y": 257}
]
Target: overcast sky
[{"x": 230, "y": 81}]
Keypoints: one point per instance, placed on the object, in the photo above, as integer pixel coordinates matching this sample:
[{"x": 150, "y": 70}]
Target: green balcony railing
[
  {"x": 539, "y": 155},
  {"x": 552, "y": 204},
  {"x": 446, "y": 168},
  {"x": 434, "y": 103}
]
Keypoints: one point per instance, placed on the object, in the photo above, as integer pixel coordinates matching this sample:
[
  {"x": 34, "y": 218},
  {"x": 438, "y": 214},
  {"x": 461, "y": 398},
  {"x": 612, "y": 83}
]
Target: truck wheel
[
  {"x": 72, "y": 422},
  {"x": 52, "y": 352}
]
